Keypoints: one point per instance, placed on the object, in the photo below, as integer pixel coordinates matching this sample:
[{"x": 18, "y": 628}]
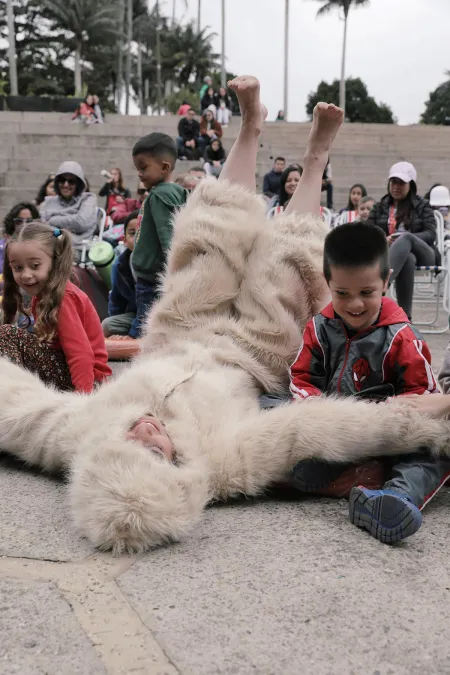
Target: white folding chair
[{"x": 327, "y": 215}]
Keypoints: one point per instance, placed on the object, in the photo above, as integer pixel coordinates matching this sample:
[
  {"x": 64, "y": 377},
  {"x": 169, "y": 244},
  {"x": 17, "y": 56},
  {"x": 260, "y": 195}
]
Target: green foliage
[
  {"x": 345, "y": 5},
  {"x": 359, "y": 106},
  {"x": 47, "y": 32},
  {"x": 437, "y": 108},
  {"x": 173, "y": 102}
]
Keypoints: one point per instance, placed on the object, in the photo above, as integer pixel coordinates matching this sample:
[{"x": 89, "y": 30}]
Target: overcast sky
[{"x": 399, "y": 48}]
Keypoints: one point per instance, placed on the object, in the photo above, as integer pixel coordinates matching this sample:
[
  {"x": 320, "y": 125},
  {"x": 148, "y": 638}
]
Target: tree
[
  {"x": 437, "y": 108},
  {"x": 87, "y": 21},
  {"x": 360, "y": 106},
  {"x": 345, "y": 5}
]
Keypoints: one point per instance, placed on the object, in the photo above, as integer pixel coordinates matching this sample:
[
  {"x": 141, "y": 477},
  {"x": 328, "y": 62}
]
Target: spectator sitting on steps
[
  {"x": 72, "y": 208},
  {"x": 120, "y": 212},
  {"x": 47, "y": 189},
  {"x": 189, "y": 144},
  {"x": 214, "y": 158},
  {"x": 289, "y": 181},
  {"x": 209, "y": 100},
  {"x": 327, "y": 185},
  {"x": 209, "y": 128},
  {"x": 224, "y": 107},
  {"x": 114, "y": 190},
  {"x": 85, "y": 113},
  {"x": 272, "y": 179}
]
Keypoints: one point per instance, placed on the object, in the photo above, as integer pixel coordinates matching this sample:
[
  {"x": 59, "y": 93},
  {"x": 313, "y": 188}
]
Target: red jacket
[
  {"x": 121, "y": 211},
  {"x": 80, "y": 337},
  {"x": 391, "y": 352}
]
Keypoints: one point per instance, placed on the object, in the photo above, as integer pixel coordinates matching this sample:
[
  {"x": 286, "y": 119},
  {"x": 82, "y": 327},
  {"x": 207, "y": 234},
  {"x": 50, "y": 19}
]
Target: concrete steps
[{"x": 32, "y": 145}]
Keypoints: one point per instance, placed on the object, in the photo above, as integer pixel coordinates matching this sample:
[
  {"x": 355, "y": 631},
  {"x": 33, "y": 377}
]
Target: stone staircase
[{"x": 33, "y": 144}]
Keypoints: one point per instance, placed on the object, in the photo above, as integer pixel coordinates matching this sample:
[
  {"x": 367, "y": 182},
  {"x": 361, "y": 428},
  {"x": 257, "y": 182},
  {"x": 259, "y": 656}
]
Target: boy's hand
[{"x": 434, "y": 405}]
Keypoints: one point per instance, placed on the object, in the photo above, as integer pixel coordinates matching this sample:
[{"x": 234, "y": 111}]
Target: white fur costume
[{"x": 237, "y": 293}]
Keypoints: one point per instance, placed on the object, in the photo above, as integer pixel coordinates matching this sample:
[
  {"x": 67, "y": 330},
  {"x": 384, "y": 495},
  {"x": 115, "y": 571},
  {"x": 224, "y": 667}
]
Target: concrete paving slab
[
  {"x": 288, "y": 588},
  {"x": 39, "y": 634},
  {"x": 35, "y": 518}
]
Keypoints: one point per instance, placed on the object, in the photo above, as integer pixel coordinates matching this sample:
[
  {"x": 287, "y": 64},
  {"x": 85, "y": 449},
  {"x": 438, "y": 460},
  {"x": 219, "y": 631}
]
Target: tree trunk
[
  {"x": 121, "y": 24},
  {"x": 342, "y": 83},
  {"x": 12, "y": 49},
  {"x": 174, "y": 11},
  {"x": 128, "y": 64},
  {"x": 158, "y": 62},
  {"x": 286, "y": 59},
  {"x": 199, "y": 16},
  {"x": 78, "y": 82},
  {"x": 223, "y": 78},
  {"x": 139, "y": 69}
]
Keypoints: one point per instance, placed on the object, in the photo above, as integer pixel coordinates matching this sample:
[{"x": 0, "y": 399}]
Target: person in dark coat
[
  {"x": 189, "y": 143},
  {"x": 410, "y": 227},
  {"x": 272, "y": 179}
]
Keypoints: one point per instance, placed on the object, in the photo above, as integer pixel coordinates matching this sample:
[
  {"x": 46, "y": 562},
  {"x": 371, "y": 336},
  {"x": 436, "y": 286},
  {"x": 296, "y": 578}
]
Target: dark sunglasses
[
  {"x": 142, "y": 191},
  {"x": 22, "y": 221},
  {"x": 69, "y": 181}
]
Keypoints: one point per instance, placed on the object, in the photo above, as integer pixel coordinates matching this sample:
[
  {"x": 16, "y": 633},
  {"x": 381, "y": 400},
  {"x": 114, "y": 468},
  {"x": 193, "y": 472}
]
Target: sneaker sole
[{"x": 386, "y": 518}]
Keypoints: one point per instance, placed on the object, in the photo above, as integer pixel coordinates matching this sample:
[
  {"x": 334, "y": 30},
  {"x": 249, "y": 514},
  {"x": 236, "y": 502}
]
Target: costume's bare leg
[
  {"x": 269, "y": 445},
  {"x": 327, "y": 119},
  {"x": 214, "y": 234},
  {"x": 240, "y": 166}
]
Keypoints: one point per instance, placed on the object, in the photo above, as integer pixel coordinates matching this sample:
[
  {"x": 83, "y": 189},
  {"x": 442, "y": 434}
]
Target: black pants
[
  {"x": 146, "y": 296},
  {"x": 329, "y": 190},
  {"x": 418, "y": 476},
  {"x": 406, "y": 253}
]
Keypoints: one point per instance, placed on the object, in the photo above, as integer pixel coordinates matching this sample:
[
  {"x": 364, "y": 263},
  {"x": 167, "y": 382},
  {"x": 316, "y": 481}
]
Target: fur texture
[{"x": 236, "y": 295}]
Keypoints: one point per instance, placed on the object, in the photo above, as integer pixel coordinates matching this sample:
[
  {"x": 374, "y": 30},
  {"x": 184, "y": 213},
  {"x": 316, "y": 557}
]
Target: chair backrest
[
  {"x": 326, "y": 215},
  {"x": 440, "y": 233},
  {"x": 101, "y": 219}
]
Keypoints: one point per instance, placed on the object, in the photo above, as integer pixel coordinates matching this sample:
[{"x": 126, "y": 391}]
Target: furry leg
[
  {"x": 339, "y": 430},
  {"x": 213, "y": 236}
]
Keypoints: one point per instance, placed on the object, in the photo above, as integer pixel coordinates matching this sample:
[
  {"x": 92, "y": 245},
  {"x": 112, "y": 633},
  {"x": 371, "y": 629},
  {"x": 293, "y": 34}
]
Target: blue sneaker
[{"x": 387, "y": 515}]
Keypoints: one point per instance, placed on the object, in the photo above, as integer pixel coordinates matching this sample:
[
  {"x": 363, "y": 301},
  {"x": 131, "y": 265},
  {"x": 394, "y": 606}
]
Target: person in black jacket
[
  {"x": 272, "y": 179},
  {"x": 214, "y": 158},
  {"x": 209, "y": 99},
  {"x": 410, "y": 227},
  {"x": 122, "y": 299},
  {"x": 189, "y": 143}
]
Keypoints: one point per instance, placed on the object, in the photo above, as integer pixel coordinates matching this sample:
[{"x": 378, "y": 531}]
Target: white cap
[
  {"x": 403, "y": 170},
  {"x": 440, "y": 196}
]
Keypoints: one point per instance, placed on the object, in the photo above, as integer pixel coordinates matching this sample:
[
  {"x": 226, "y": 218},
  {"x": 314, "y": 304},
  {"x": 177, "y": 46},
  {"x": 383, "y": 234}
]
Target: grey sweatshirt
[{"x": 79, "y": 214}]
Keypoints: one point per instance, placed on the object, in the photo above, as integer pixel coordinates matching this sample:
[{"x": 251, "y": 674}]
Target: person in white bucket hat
[{"x": 410, "y": 227}]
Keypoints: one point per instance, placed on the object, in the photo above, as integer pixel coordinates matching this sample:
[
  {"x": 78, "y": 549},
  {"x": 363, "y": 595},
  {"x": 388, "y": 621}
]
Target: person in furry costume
[{"x": 182, "y": 426}]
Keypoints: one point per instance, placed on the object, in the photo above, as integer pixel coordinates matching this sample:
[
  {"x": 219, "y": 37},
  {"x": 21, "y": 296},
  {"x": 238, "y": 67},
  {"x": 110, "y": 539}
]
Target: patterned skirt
[{"x": 24, "y": 349}]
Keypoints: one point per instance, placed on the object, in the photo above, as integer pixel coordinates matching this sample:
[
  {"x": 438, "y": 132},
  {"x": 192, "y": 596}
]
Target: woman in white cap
[{"x": 409, "y": 223}]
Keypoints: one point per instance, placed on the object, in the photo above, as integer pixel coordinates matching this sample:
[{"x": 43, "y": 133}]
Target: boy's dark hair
[
  {"x": 197, "y": 168},
  {"x": 279, "y": 159},
  {"x": 356, "y": 245},
  {"x": 132, "y": 216},
  {"x": 157, "y": 145},
  {"x": 193, "y": 110},
  {"x": 8, "y": 222}
]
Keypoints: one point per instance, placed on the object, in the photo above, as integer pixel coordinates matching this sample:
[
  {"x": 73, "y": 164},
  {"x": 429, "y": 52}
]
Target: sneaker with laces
[{"x": 388, "y": 516}]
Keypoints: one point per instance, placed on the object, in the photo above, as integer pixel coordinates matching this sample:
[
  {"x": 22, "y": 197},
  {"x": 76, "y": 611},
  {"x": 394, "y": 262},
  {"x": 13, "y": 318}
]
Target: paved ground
[{"x": 262, "y": 587}]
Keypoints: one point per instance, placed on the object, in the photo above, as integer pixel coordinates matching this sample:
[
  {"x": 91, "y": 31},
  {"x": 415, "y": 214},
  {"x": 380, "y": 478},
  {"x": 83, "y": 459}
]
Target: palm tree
[
  {"x": 86, "y": 20},
  {"x": 345, "y": 5}
]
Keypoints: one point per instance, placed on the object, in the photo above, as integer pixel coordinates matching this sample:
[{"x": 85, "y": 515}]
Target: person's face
[
  {"x": 355, "y": 196},
  {"x": 95, "y": 99},
  {"x": 115, "y": 176},
  {"x": 142, "y": 192},
  {"x": 130, "y": 234},
  {"x": 50, "y": 189},
  {"x": 151, "y": 170},
  {"x": 67, "y": 185},
  {"x": 209, "y": 116},
  {"x": 191, "y": 115},
  {"x": 222, "y": 91},
  {"x": 215, "y": 146},
  {"x": 150, "y": 431},
  {"x": 364, "y": 210},
  {"x": 89, "y": 100},
  {"x": 292, "y": 182},
  {"x": 399, "y": 189},
  {"x": 24, "y": 216},
  {"x": 279, "y": 166},
  {"x": 30, "y": 264},
  {"x": 210, "y": 91},
  {"x": 356, "y": 294}
]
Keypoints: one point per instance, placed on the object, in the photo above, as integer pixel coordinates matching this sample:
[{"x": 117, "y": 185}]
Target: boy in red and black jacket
[{"x": 362, "y": 344}]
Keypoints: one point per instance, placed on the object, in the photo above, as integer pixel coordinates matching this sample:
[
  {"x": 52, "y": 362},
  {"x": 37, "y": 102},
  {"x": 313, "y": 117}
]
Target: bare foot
[
  {"x": 327, "y": 118},
  {"x": 253, "y": 111}
]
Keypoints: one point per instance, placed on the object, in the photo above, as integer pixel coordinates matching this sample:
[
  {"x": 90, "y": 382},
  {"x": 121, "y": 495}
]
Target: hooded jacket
[
  {"x": 391, "y": 352},
  {"x": 78, "y": 214}
]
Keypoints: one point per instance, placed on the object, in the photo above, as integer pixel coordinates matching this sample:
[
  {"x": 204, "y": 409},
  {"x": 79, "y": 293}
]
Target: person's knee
[{"x": 105, "y": 327}]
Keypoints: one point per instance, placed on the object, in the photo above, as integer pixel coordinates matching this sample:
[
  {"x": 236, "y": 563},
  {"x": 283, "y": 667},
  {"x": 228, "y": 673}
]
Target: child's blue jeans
[{"x": 146, "y": 295}]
